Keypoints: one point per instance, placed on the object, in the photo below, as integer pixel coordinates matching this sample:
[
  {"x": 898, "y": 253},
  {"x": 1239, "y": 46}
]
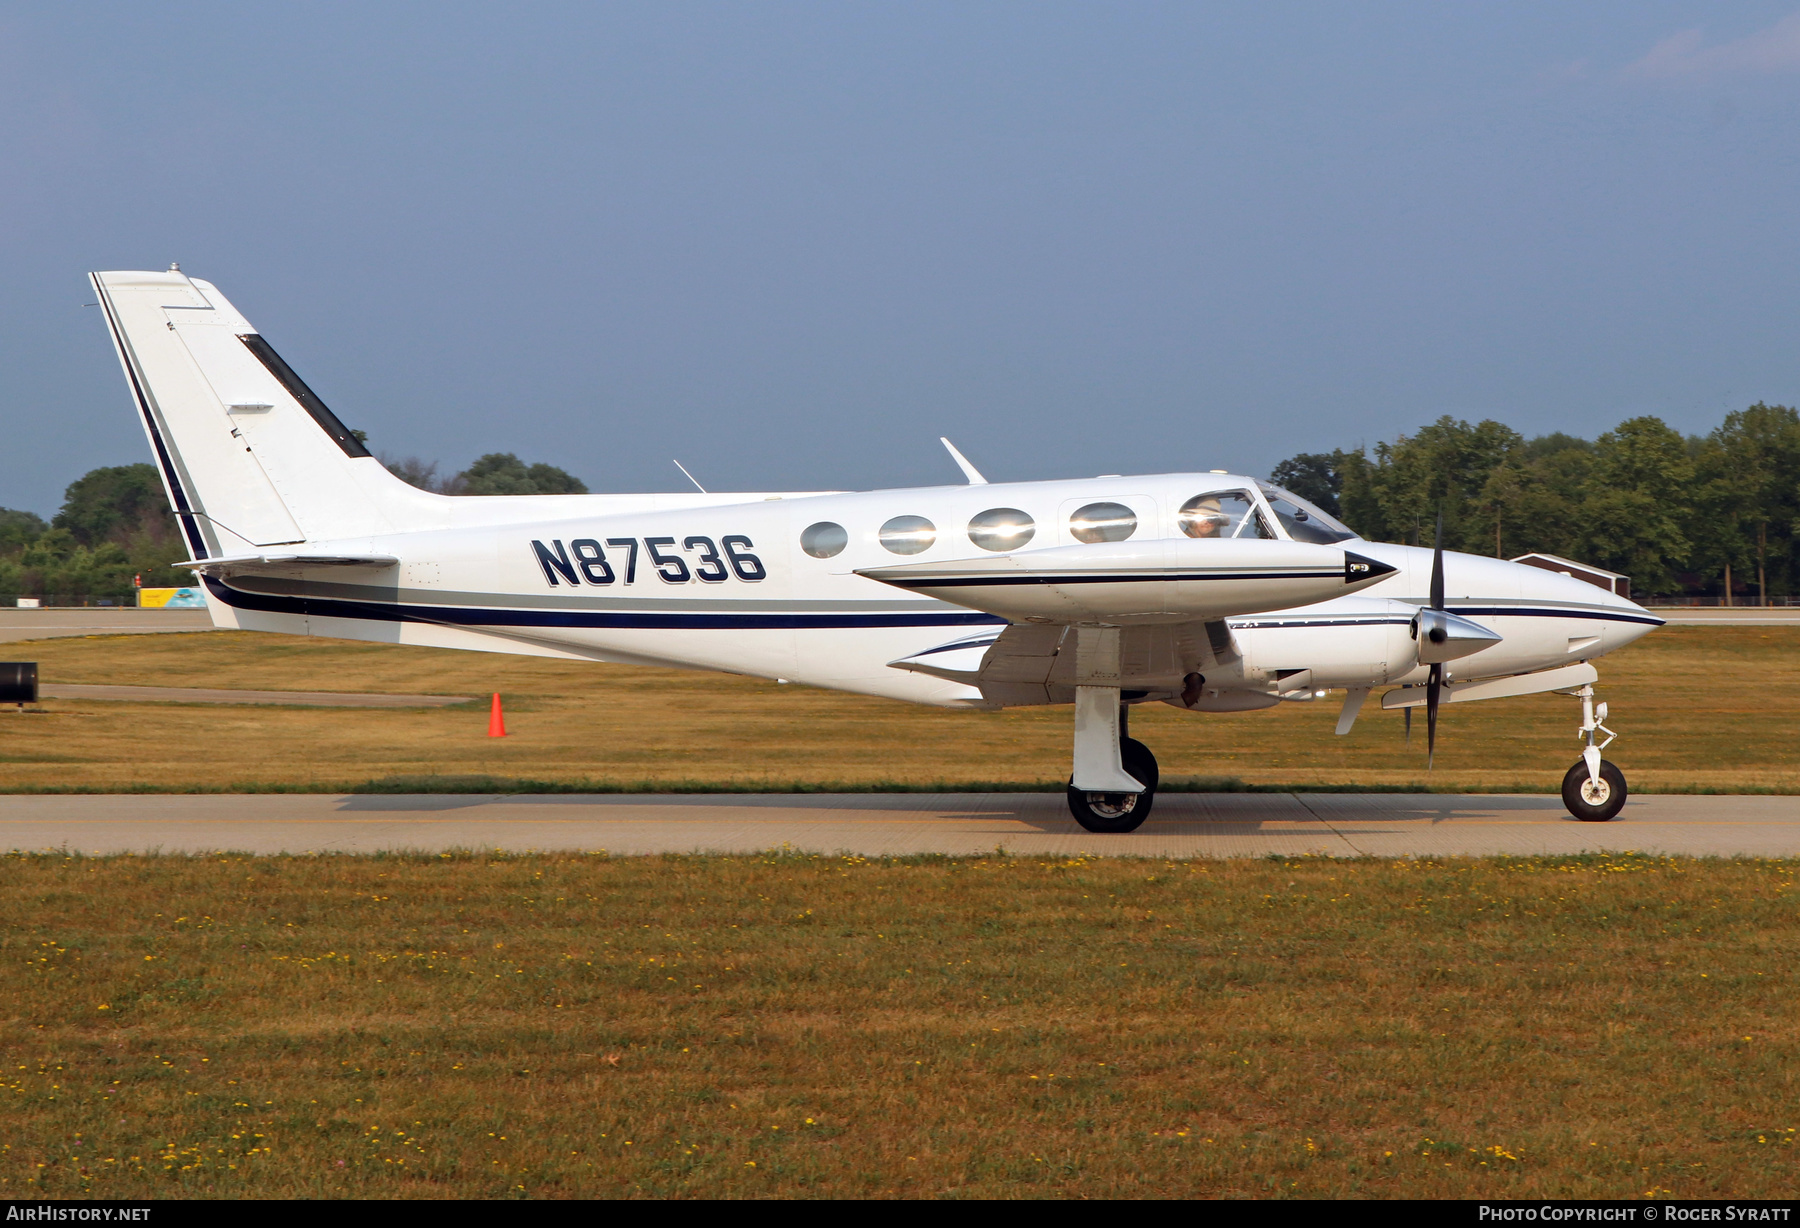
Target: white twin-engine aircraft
[{"x": 1210, "y": 592}]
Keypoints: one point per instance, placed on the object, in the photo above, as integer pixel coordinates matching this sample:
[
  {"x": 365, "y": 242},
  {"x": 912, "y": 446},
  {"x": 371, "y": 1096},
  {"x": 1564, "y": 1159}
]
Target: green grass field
[
  {"x": 1698, "y": 708},
  {"x": 575, "y": 1026}
]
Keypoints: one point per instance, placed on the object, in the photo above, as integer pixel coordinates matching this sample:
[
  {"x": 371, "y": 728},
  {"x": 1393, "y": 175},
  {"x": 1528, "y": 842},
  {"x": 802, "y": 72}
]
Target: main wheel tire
[
  {"x": 1120, "y": 812},
  {"x": 1110, "y": 812},
  {"x": 1139, "y": 763},
  {"x": 1594, "y": 801}
]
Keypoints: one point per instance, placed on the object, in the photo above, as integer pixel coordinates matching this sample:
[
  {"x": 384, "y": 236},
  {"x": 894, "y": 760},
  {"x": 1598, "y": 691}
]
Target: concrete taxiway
[
  {"x": 1728, "y": 616},
  {"x": 57, "y": 621},
  {"x": 213, "y": 695},
  {"x": 1184, "y": 825}
]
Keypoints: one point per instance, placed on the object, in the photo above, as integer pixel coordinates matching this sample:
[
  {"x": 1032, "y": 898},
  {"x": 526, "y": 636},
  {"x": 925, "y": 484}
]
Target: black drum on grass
[{"x": 18, "y": 682}]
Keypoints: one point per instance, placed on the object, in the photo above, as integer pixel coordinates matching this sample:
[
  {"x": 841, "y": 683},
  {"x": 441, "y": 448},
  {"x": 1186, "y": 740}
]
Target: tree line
[
  {"x": 115, "y": 525},
  {"x": 1698, "y": 515}
]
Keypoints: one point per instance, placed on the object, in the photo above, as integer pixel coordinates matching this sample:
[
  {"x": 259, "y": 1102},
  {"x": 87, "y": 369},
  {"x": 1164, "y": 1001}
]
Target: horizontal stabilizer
[
  {"x": 239, "y": 563},
  {"x": 1566, "y": 678}
]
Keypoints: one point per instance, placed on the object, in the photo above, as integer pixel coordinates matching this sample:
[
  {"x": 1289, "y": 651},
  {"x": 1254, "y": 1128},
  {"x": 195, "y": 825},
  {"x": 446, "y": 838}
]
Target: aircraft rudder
[{"x": 250, "y": 454}]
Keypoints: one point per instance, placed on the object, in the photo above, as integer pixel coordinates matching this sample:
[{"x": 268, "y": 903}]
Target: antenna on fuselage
[
  {"x": 962, "y": 462},
  {"x": 690, "y": 477}
]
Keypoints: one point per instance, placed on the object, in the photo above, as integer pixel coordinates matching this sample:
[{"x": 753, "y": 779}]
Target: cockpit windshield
[
  {"x": 1225, "y": 513},
  {"x": 1303, "y": 521}
]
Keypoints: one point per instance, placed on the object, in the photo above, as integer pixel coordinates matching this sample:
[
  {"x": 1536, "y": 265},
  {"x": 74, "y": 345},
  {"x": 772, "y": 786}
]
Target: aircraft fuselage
[{"x": 729, "y": 586}]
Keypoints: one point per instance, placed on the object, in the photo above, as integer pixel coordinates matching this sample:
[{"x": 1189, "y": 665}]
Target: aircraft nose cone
[{"x": 1359, "y": 569}]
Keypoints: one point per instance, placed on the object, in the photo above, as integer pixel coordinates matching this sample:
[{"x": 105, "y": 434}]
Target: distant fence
[
  {"x": 126, "y": 598},
  {"x": 1749, "y": 603},
  {"x": 149, "y": 598}
]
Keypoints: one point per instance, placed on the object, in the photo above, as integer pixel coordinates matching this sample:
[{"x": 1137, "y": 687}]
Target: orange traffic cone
[{"x": 496, "y": 721}]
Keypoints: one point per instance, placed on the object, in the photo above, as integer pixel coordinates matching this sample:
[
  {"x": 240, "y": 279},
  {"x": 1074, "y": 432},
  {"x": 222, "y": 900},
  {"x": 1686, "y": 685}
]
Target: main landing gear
[
  {"x": 1114, "y": 781},
  {"x": 1119, "y": 812},
  {"x": 1593, "y": 789}
]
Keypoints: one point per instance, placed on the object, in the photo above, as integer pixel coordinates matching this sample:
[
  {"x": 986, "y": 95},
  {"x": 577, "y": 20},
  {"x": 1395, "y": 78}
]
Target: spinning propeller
[
  {"x": 1442, "y": 636},
  {"x": 1437, "y": 633}
]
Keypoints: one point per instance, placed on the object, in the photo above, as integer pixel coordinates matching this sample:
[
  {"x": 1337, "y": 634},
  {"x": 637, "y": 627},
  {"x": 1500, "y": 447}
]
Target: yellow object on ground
[{"x": 170, "y": 598}]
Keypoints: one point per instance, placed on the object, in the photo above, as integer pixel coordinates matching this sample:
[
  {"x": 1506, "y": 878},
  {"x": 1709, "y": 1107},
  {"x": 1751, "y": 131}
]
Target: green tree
[
  {"x": 1535, "y": 495},
  {"x": 1672, "y": 513},
  {"x": 1760, "y": 449},
  {"x": 1501, "y": 497},
  {"x": 416, "y": 472},
  {"x": 502, "y": 473},
  {"x": 1722, "y": 541},
  {"x": 57, "y": 565},
  {"x": 114, "y": 524},
  {"x": 1639, "y": 503},
  {"x": 19, "y": 529},
  {"x": 1542, "y": 448},
  {"x": 1315, "y": 476},
  {"x": 1396, "y": 495},
  {"x": 115, "y": 504}
]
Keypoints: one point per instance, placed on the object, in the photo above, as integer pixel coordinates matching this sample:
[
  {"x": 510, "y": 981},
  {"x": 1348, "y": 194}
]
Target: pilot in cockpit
[{"x": 1203, "y": 517}]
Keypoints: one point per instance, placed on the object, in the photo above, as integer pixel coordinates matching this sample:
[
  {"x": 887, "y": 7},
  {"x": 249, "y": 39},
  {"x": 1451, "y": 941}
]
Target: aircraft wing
[{"x": 1154, "y": 581}]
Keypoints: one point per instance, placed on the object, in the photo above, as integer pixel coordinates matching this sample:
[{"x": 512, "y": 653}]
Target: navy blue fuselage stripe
[
  {"x": 189, "y": 527},
  {"x": 1322, "y": 622},
  {"x": 959, "y": 646},
  {"x": 478, "y": 617},
  {"x": 1498, "y": 612},
  {"x": 1619, "y": 616},
  {"x": 319, "y": 607},
  {"x": 986, "y": 581}
]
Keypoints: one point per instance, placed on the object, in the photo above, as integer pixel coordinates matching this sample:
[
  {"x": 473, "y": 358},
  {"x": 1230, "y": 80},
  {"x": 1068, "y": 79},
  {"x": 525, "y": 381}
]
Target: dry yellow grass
[
  {"x": 1711, "y": 708},
  {"x": 570, "y": 1026}
]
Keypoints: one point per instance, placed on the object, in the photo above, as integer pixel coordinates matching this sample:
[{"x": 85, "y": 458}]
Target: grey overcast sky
[{"x": 792, "y": 244}]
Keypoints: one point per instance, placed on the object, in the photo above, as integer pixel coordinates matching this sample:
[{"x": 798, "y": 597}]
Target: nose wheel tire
[
  {"x": 1594, "y": 801},
  {"x": 1119, "y": 812}
]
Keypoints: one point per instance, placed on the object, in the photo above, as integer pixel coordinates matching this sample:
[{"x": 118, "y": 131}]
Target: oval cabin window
[
  {"x": 1103, "y": 522},
  {"x": 908, "y": 535},
  {"x": 824, "y": 540},
  {"x": 1002, "y": 528}
]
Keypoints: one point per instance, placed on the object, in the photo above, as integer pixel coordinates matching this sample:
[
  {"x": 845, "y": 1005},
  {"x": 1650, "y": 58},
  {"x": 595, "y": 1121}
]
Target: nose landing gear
[{"x": 1594, "y": 789}]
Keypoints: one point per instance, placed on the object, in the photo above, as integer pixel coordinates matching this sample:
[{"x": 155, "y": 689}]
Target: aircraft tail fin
[{"x": 250, "y": 456}]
